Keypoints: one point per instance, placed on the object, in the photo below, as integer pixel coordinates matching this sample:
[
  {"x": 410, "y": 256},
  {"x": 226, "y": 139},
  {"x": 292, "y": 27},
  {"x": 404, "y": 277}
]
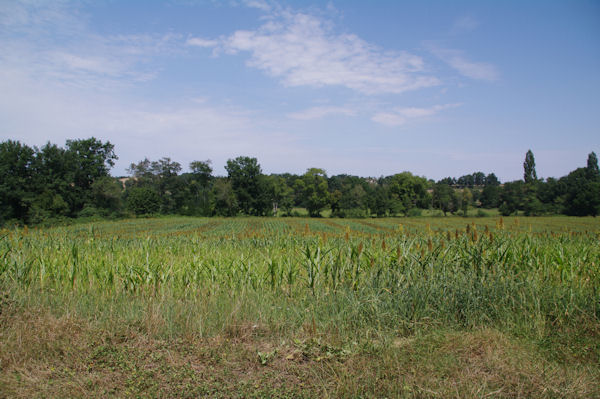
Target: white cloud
[
  {"x": 303, "y": 50},
  {"x": 399, "y": 115},
  {"x": 259, "y": 4},
  {"x": 320, "y": 112},
  {"x": 389, "y": 119},
  {"x": 200, "y": 42},
  {"x": 61, "y": 80},
  {"x": 470, "y": 69}
]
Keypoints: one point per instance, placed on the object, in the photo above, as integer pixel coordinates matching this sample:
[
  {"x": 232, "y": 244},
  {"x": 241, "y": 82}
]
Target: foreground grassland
[{"x": 188, "y": 307}]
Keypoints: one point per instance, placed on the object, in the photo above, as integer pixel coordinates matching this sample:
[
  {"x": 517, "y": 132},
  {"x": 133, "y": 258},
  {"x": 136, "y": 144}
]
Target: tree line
[{"x": 51, "y": 183}]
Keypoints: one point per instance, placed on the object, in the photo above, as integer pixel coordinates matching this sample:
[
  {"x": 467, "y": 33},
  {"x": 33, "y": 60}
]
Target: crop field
[{"x": 295, "y": 307}]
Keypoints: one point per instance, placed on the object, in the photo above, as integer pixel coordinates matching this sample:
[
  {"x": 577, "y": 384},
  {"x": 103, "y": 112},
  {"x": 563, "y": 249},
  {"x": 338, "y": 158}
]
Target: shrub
[
  {"x": 481, "y": 213},
  {"x": 414, "y": 212},
  {"x": 143, "y": 201}
]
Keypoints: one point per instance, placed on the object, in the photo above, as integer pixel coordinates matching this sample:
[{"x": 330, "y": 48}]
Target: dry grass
[{"x": 46, "y": 356}]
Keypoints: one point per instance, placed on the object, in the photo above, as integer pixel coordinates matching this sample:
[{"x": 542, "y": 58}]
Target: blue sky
[{"x": 373, "y": 88}]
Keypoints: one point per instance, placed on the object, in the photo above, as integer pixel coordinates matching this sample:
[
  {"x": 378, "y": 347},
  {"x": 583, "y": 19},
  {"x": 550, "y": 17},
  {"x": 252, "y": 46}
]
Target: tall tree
[
  {"x": 225, "y": 200},
  {"x": 381, "y": 200},
  {"x": 478, "y": 178},
  {"x": 141, "y": 170},
  {"x": 280, "y": 194},
  {"x": 582, "y": 189},
  {"x": 529, "y": 174},
  {"x": 408, "y": 191},
  {"x": 16, "y": 186},
  {"x": 313, "y": 190},
  {"x": 198, "y": 184},
  {"x": 582, "y": 195},
  {"x": 90, "y": 159},
  {"x": 492, "y": 180},
  {"x": 248, "y": 184},
  {"x": 53, "y": 174},
  {"x": 511, "y": 197},
  {"x": 465, "y": 198},
  {"x": 93, "y": 159},
  {"x": 107, "y": 192},
  {"x": 592, "y": 166},
  {"x": 202, "y": 171},
  {"x": 490, "y": 196},
  {"x": 444, "y": 198},
  {"x": 168, "y": 186}
]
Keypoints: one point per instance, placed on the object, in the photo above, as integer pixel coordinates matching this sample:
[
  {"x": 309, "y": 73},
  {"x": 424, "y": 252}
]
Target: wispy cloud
[
  {"x": 260, "y": 4},
  {"x": 470, "y": 69},
  {"x": 321, "y": 112},
  {"x": 61, "y": 79},
  {"x": 70, "y": 82},
  {"x": 35, "y": 112},
  {"x": 49, "y": 41},
  {"x": 399, "y": 115},
  {"x": 303, "y": 50},
  {"x": 389, "y": 119},
  {"x": 464, "y": 24},
  {"x": 200, "y": 42}
]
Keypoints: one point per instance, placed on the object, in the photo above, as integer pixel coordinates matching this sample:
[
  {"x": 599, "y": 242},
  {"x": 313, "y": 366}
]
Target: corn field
[{"x": 528, "y": 273}]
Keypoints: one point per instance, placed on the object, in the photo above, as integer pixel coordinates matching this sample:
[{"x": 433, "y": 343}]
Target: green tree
[
  {"x": 444, "y": 198},
  {"x": 550, "y": 194},
  {"x": 165, "y": 168},
  {"x": 532, "y": 206},
  {"x": 16, "y": 185},
  {"x": 313, "y": 189},
  {"x": 407, "y": 192},
  {"x": 225, "y": 199},
  {"x": 168, "y": 185},
  {"x": 465, "y": 198},
  {"x": 141, "y": 170},
  {"x": 511, "y": 197},
  {"x": 53, "y": 177},
  {"x": 355, "y": 198},
  {"x": 479, "y": 178},
  {"x": 465, "y": 181},
  {"x": 197, "y": 184},
  {"x": 202, "y": 172},
  {"x": 490, "y": 196},
  {"x": 106, "y": 194},
  {"x": 90, "y": 159},
  {"x": 248, "y": 184},
  {"x": 593, "y": 173},
  {"x": 334, "y": 200},
  {"x": 280, "y": 194},
  {"x": 48, "y": 205},
  {"x": 381, "y": 200},
  {"x": 143, "y": 200},
  {"x": 161, "y": 176},
  {"x": 529, "y": 174},
  {"x": 582, "y": 194},
  {"x": 491, "y": 180}
]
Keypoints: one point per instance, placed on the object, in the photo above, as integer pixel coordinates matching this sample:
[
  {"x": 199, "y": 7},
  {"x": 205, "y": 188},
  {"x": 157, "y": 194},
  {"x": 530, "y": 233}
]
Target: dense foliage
[{"x": 50, "y": 183}]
